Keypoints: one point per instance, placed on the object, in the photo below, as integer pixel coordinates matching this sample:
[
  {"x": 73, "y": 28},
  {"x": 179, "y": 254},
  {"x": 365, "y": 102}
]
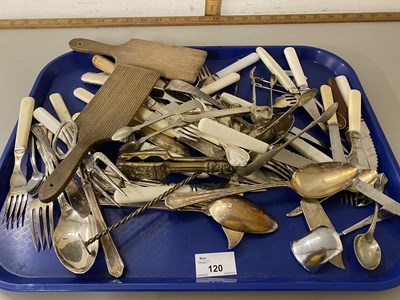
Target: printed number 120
[{"x": 215, "y": 268}]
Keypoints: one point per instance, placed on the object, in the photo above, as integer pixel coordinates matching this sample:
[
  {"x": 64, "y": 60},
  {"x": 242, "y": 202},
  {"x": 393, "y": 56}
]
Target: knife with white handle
[
  {"x": 334, "y": 133},
  {"x": 367, "y": 152},
  {"x": 295, "y": 67},
  {"x": 59, "y": 106},
  {"x": 94, "y": 78},
  {"x": 239, "y": 65},
  {"x": 307, "y": 150},
  {"x": 140, "y": 194},
  {"x": 357, "y": 155},
  {"x": 344, "y": 87},
  {"x": 301, "y": 82},
  {"x": 83, "y": 95},
  {"x": 221, "y": 83},
  {"x": 232, "y": 136},
  {"x": 103, "y": 64},
  {"x": 276, "y": 69},
  {"x": 50, "y": 122}
]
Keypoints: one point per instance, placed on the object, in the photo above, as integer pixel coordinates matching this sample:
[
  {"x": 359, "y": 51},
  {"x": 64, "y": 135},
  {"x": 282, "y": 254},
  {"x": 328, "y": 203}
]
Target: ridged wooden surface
[{"x": 113, "y": 106}]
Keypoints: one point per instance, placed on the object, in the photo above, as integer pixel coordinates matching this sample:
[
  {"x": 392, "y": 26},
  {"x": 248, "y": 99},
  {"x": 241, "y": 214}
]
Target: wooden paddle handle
[
  {"x": 51, "y": 185},
  {"x": 89, "y": 46}
]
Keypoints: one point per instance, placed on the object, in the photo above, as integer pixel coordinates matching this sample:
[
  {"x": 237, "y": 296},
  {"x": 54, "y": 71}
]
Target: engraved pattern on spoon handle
[
  {"x": 114, "y": 261},
  {"x": 177, "y": 200}
]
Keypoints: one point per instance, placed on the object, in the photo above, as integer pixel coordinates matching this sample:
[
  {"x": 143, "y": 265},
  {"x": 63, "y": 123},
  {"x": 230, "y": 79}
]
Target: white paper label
[{"x": 215, "y": 264}]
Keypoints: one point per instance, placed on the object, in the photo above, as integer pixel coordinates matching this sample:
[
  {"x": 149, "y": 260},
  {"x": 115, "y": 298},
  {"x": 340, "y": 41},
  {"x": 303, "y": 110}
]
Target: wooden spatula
[{"x": 139, "y": 64}]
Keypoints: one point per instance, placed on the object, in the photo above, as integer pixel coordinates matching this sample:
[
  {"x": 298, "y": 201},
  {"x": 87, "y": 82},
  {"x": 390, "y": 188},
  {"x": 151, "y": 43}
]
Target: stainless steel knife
[
  {"x": 315, "y": 216},
  {"x": 334, "y": 134},
  {"x": 387, "y": 203}
]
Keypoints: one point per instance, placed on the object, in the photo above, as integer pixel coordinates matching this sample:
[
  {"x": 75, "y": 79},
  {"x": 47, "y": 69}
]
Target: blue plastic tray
[{"x": 158, "y": 248}]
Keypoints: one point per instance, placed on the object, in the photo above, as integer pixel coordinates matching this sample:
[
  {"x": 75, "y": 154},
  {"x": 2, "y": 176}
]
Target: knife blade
[
  {"x": 334, "y": 134},
  {"x": 315, "y": 217},
  {"x": 387, "y": 203}
]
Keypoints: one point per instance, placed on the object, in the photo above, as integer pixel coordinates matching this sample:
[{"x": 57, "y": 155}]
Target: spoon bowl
[
  {"x": 323, "y": 179},
  {"x": 366, "y": 248},
  {"x": 276, "y": 133},
  {"x": 240, "y": 214},
  {"x": 69, "y": 234}
]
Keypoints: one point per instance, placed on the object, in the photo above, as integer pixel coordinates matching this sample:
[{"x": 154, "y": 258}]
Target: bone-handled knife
[
  {"x": 222, "y": 132},
  {"x": 334, "y": 134},
  {"x": 239, "y": 65},
  {"x": 301, "y": 82},
  {"x": 220, "y": 83},
  {"x": 316, "y": 216},
  {"x": 276, "y": 69},
  {"x": 307, "y": 150},
  {"x": 357, "y": 155},
  {"x": 368, "y": 156}
]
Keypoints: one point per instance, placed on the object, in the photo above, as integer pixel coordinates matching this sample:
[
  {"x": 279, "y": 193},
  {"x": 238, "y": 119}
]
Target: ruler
[
  {"x": 198, "y": 20},
  {"x": 212, "y": 16}
]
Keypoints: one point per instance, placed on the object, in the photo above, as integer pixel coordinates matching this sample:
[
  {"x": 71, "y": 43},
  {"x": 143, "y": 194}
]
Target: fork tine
[
  {"x": 39, "y": 227},
  {"x": 24, "y": 201},
  {"x": 32, "y": 226},
  {"x": 51, "y": 221},
  {"x": 45, "y": 212},
  {"x": 15, "y": 206},
  {"x": 6, "y": 212}
]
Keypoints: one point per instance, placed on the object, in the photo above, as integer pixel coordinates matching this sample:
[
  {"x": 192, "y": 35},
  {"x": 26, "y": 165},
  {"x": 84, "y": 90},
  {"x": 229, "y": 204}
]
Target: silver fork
[
  {"x": 41, "y": 213},
  {"x": 18, "y": 196}
]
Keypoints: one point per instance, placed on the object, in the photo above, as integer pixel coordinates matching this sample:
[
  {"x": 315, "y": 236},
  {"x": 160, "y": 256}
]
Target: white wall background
[{"x": 15, "y": 9}]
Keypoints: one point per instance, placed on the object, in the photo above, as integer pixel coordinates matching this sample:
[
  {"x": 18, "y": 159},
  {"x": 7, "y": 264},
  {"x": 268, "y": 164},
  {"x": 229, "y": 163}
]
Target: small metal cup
[{"x": 317, "y": 247}]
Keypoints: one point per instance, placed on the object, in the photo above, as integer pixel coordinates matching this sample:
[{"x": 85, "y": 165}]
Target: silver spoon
[
  {"x": 366, "y": 248},
  {"x": 313, "y": 181},
  {"x": 237, "y": 213},
  {"x": 236, "y": 156},
  {"x": 71, "y": 227},
  {"x": 37, "y": 178}
]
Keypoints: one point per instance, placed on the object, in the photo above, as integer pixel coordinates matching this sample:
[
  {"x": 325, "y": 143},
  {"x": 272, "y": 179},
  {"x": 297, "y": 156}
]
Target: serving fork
[{"x": 18, "y": 196}]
